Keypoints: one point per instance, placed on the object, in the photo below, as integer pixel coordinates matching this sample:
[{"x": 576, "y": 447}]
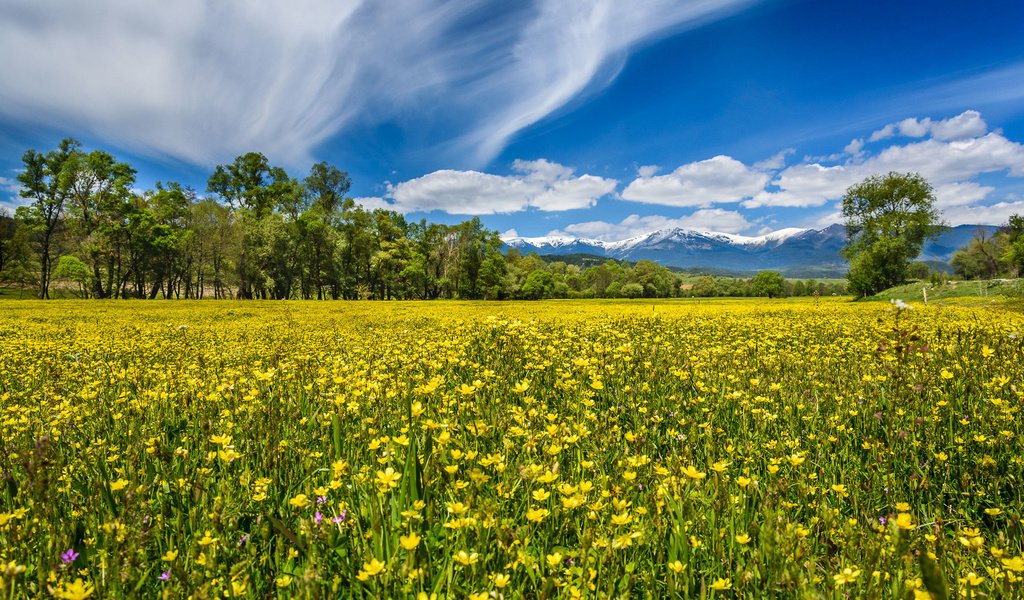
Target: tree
[
  {"x": 768, "y": 283},
  {"x": 981, "y": 257},
  {"x": 1013, "y": 256},
  {"x": 46, "y": 181},
  {"x": 888, "y": 218}
]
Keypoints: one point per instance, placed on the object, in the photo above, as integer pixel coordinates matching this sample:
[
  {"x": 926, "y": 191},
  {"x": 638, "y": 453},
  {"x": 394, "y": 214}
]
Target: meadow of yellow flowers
[{"x": 793, "y": 449}]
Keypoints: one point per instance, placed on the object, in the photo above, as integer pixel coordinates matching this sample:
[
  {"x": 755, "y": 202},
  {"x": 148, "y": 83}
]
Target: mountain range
[{"x": 793, "y": 252}]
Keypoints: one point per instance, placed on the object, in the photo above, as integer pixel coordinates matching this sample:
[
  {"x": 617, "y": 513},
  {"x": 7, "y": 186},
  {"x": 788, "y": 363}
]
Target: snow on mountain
[
  {"x": 659, "y": 236},
  {"x": 792, "y": 250}
]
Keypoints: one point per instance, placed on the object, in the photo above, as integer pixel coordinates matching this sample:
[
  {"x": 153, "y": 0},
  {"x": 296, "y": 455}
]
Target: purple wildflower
[
  {"x": 243, "y": 539},
  {"x": 165, "y": 575},
  {"x": 321, "y": 499},
  {"x": 318, "y": 517},
  {"x": 70, "y": 556},
  {"x": 883, "y": 520}
]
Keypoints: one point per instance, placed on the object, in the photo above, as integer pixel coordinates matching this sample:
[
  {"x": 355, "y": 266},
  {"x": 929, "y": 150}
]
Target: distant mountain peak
[{"x": 790, "y": 250}]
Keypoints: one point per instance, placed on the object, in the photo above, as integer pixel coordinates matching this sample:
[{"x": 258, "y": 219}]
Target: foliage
[
  {"x": 768, "y": 283},
  {"x": 788, "y": 449},
  {"x": 888, "y": 218}
]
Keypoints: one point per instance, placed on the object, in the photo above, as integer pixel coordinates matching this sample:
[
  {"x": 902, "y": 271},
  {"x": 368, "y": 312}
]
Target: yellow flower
[
  {"x": 283, "y": 581},
  {"x": 622, "y": 519},
  {"x": 536, "y": 515},
  {"x": 1014, "y": 564},
  {"x": 693, "y": 473},
  {"x": 720, "y": 466},
  {"x": 457, "y": 508},
  {"x": 299, "y": 501},
  {"x": 676, "y": 567},
  {"x": 743, "y": 482},
  {"x": 387, "y": 479},
  {"x": 500, "y": 580},
  {"x": 902, "y": 507},
  {"x": 540, "y": 495},
  {"x": 992, "y": 512},
  {"x": 170, "y": 556},
  {"x": 743, "y": 538},
  {"x": 847, "y": 575},
  {"x": 76, "y": 590},
  {"x": 370, "y": 569},
  {"x": 554, "y": 560},
  {"x": 118, "y": 485},
  {"x": 409, "y": 541},
  {"x": 721, "y": 585},
  {"x": 972, "y": 579},
  {"x": 207, "y": 539},
  {"x": 467, "y": 558},
  {"x": 904, "y": 521}
]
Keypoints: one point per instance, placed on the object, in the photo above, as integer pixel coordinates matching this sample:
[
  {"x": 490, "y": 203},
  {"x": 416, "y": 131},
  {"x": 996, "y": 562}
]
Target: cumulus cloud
[
  {"x": 775, "y": 162},
  {"x": 965, "y": 125},
  {"x": 721, "y": 179},
  {"x": 708, "y": 219},
  {"x": 855, "y": 147},
  {"x": 994, "y": 214},
  {"x": 373, "y": 203},
  {"x": 539, "y": 184},
  {"x": 947, "y": 159},
  {"x": 204, "y": 81}
]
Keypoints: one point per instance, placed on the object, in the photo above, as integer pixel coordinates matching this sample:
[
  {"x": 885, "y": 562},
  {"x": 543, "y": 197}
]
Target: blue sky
[{"x": 595, "y": 118}]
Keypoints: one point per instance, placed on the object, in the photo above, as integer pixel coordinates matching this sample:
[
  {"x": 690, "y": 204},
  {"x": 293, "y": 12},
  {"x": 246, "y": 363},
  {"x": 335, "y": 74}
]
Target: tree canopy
[{"x": 888, "y": 218}]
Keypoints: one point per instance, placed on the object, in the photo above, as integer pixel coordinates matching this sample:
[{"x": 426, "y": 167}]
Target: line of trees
[{"x": 261, "y": 233}]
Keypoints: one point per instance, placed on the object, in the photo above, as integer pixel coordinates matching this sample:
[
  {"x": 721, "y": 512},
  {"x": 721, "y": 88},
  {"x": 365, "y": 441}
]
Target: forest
[{"x": 257, "y": 232}]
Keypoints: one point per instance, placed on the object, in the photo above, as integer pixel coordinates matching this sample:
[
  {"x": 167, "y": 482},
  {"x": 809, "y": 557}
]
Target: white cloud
[
  {"x": 915, "y": 128},
  {"x": 960, "y": 193},
  {"x": 373, "y": 203},
  {"x": 886, "y": 132},
  {"x": 721, "y": 179},
  {"x": 967, "y": 124},
  {"x": 775, "y": 162},
  {"x": 709, "y": 219},
  {"x": 950, "y": 164},
  {"x": 648, "y": 170},
  {"x": 540, "y": 184},
  {"x": 994, "y": 214},
  {"x": 204, "y": 81},
  {"x": 855, "y": 147},
  {"x": 10, "y": 197}
]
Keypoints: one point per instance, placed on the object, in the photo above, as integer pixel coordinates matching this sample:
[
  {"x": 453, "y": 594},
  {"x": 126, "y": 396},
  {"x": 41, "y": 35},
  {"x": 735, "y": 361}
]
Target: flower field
[{"x": 749, "y": 449}]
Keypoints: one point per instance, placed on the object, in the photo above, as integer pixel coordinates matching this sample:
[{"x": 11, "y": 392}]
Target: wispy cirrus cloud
[{"x": 203, "y": 81}]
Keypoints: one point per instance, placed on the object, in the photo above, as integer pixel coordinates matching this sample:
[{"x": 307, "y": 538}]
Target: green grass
[{"x": 954, "y": 290}]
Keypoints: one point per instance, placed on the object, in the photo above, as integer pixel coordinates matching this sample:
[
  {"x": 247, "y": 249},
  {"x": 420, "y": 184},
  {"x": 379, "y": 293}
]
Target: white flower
[{"x": 900, "y": 304}]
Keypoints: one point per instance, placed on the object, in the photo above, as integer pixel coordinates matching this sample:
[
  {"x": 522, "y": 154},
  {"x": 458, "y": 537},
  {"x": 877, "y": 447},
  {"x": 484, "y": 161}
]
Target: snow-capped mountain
[{"x": 792, "y": 251}]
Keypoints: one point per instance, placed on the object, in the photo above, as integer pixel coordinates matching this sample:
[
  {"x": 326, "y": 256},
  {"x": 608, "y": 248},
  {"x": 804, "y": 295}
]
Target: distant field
[{"x": 737, "y": 448}]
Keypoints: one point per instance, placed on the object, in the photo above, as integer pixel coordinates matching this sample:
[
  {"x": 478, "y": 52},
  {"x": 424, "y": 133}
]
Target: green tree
[
  {"x": 768, "y": 283},
  {"x": 981, "y": 258},
  {"x": 539, "y": 284},
  {"x": 632, "y": 290},
  {"x": 46, "y": 181},
  {"x": 1013, "y": 256},
  {"x": 888, "y": 218}
]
